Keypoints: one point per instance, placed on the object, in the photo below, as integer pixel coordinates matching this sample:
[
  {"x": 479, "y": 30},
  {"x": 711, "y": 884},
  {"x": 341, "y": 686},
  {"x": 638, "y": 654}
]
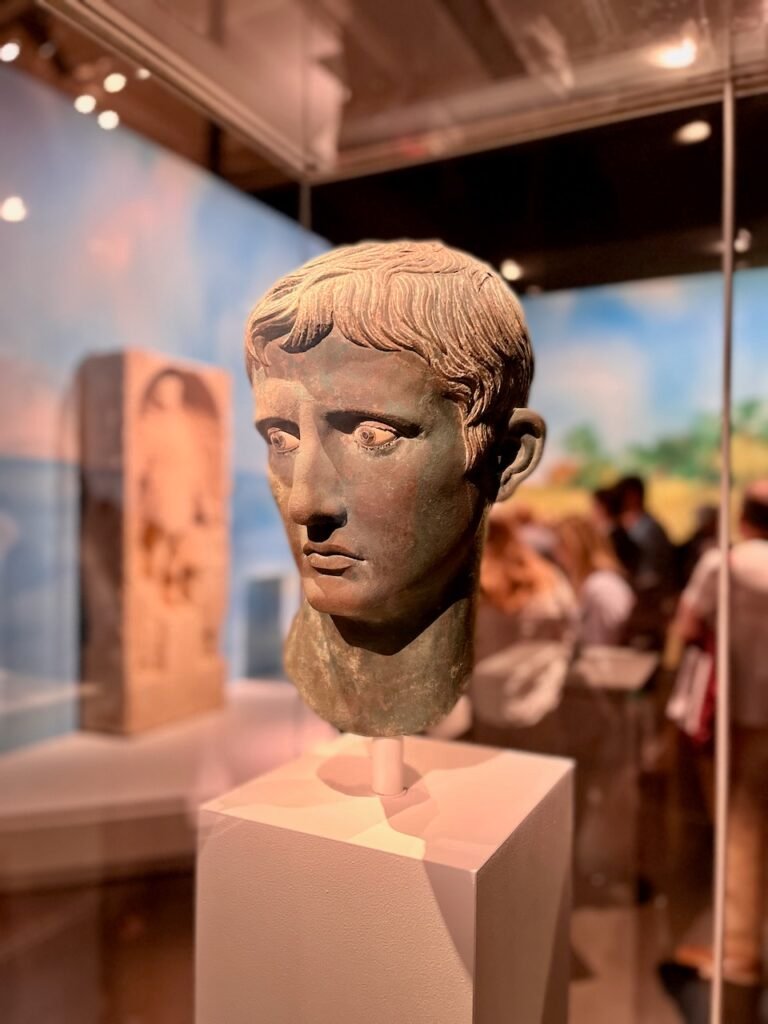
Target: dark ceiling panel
[{"x": 614, "y": 203}]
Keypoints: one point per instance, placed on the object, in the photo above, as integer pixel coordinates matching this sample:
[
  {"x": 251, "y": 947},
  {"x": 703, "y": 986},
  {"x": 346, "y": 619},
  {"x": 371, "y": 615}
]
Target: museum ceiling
[
  {"x": 328, "y": 89},
  {"x": 453, "y": 138}
]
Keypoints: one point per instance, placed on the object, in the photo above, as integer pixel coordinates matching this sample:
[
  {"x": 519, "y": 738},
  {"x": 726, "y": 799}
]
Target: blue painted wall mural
[{"x": 124, "y": 245}]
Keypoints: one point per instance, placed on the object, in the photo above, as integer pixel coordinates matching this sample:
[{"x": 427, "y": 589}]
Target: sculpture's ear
[{"x": 519, "y": 450}]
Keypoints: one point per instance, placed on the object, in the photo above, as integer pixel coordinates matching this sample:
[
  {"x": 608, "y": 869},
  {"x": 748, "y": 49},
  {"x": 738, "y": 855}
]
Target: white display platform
[
  {"x": 319, "y": 903},
  {"x": 87, "y": 805}
]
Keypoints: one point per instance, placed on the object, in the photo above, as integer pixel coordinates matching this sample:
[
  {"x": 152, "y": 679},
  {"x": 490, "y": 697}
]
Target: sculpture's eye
[
  {"x": 375, "y": 435},
  {"x": 281, "y": 441}
]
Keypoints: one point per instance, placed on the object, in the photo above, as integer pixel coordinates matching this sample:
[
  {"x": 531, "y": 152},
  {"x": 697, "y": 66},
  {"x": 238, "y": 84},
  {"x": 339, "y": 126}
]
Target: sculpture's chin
[{"x": 339, "y": 597}]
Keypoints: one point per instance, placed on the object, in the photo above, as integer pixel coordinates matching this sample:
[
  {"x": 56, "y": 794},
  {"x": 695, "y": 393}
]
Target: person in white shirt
[{"x": 748, "y": 814}]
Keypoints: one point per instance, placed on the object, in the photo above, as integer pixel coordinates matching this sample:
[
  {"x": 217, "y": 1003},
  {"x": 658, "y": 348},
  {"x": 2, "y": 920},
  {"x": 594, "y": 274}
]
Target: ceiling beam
[{"x": 484, "y": 35}]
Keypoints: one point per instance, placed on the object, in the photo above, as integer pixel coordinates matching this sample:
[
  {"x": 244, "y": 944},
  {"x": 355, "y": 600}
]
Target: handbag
[{"x": 691, "y": 705}]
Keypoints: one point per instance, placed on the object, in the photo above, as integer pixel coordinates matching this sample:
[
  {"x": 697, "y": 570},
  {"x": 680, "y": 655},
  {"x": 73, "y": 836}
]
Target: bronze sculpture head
[{"x": 390, "y": 383}]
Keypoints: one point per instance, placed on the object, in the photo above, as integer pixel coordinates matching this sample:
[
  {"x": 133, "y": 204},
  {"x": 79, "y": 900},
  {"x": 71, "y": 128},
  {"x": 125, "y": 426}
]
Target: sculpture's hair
[{"x": 453, "y": 311}]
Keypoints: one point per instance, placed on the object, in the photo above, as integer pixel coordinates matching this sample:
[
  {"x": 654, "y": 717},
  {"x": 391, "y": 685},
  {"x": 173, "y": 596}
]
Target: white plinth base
[{"x": 319, "y": 903}]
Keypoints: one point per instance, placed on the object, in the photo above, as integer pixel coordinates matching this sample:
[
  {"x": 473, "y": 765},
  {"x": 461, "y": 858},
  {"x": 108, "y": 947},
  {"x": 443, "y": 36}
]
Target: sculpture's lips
[{"x": 331, "y": 558}]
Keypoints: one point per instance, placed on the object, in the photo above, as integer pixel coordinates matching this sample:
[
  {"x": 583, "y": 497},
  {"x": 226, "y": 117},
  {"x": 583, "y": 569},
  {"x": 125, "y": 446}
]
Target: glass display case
[{"x": 167, "y": 163}]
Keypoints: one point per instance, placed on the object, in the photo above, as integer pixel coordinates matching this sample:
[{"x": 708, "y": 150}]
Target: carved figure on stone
[
  {"x": 174, "y": 482},
  {"x": 390, "y": 384},
  {"x": 180, "y": 510}
]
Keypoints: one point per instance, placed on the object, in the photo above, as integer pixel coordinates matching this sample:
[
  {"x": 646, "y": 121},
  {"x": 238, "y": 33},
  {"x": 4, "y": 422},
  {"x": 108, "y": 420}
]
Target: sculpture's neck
[{"x": 380, "y": 681}]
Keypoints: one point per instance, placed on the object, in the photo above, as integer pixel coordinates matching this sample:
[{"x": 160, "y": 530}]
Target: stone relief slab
[{"x": 154, "y": 538}]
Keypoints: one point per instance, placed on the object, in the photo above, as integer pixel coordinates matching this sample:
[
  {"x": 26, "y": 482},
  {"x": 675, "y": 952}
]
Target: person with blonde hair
[
  {"x": 524, "y": 632},
  {"x": 605, "y": 597},
  {"x": 516, "y": 579}
]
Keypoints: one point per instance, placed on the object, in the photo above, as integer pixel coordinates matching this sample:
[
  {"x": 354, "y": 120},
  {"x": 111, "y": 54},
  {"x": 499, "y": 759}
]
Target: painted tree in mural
[
  {"x": 584, "y": 446},
  {"x": 695, "y": 453},
  {"x": 691, "y": 454},
  {"x": 751, "y": 417}
]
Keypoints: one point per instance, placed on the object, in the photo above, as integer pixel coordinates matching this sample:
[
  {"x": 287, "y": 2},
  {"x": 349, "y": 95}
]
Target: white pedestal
[{"x": 319, "y": 903}]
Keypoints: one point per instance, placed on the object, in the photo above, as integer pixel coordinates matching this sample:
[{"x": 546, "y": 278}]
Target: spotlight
[
  {"x": 743, "y": 241},
  {"x": 47, "y": 50},
  {"x": 673, "y": 56},
  {"x": 85, "y": 104},
  {"x": 13, "y": 209},
  {"x": 694, "y": 131},
  {"x": 108, "y": 119},
  {"x": 9, "y": 52},
  {"x": 115, "y": 82},
  {"x": 143, "y": 73},
  {"x": 511, "y": 270}
]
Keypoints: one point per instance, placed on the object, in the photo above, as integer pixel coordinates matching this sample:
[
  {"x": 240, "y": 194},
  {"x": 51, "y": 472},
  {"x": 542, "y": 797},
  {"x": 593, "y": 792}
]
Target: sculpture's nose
[{"x": 316, "y": 501}]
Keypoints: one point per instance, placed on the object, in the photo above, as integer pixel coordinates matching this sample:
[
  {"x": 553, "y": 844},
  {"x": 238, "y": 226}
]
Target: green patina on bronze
[{"x": 390, "y": 382}]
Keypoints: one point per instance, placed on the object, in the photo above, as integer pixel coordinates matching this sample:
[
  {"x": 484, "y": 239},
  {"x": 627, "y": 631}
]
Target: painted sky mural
[{"x": 125, "y": 245}]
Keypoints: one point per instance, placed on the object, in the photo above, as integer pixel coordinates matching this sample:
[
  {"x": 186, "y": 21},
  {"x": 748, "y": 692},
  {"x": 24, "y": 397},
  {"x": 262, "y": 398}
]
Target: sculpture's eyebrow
[
  {"x": 266, "y": 423},
  {"x": 348, "y": 419}
]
